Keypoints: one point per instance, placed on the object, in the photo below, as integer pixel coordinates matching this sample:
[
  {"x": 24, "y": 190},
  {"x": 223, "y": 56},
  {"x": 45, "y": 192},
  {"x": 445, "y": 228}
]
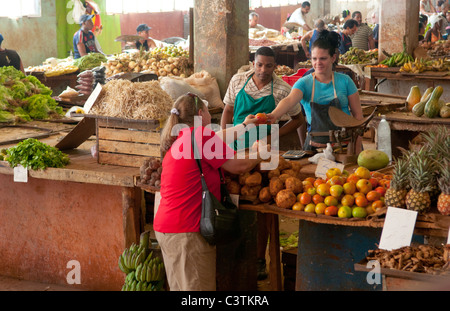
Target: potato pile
[
  {"x": 280, "y": 185},
  {"x": 145, "y": 62},
  {"x": 420, "y": 258},
  {"x": 150, "y": 172}
]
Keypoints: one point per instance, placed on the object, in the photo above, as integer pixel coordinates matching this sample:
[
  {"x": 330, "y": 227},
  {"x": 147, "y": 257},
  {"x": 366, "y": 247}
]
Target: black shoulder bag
[{"x": 219, "y": 223}]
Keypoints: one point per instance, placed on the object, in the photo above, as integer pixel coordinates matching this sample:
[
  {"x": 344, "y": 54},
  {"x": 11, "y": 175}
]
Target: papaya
[
  {"x": 432, "y": 106},
  {"x": 445, "y": 111},
  {"x": 419, "y": 108},
  {"x": 427, "y": 92},
  {"x": 414, "y": 97},
  {"x": 373, "y": 159}
]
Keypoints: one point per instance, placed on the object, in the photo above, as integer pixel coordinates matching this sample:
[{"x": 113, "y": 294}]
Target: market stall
[{"x": 85, "y": 212}]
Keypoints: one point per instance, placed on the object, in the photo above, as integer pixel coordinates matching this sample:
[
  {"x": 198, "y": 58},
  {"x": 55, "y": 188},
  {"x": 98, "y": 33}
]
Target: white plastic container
[{"x": 384, "y": 137}]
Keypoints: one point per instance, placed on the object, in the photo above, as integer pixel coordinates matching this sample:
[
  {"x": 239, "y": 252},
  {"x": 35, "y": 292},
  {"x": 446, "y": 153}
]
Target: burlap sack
[{"x": 207, "y": 84}]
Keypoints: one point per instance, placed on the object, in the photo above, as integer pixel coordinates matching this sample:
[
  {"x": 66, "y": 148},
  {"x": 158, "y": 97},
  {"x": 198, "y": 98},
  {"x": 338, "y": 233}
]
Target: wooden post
[
  {"x": 398, "y": 19},
  {"x": 274, "y": 253},
  {"x": 221, "y": 38},
  {"x": 131, "y": 198}
]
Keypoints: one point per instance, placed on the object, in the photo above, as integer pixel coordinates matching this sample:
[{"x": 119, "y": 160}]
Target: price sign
[
  {"x": 398, "y": 228},
  {"x": 20, "y": 174}
]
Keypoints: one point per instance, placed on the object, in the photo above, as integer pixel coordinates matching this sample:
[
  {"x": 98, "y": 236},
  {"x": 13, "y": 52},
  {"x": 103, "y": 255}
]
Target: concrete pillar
[
  {"x": 398, "y": 19},
  {"x": 221, "y": 38}
]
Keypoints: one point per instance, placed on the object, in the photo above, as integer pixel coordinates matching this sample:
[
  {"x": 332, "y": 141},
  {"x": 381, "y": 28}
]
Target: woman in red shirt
[{"x": 189, "y": 260}]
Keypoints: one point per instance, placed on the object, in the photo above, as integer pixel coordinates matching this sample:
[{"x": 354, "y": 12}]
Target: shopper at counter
[
  {"x": 84, "y": 39},
  {"x": 320, "y": 90},
  {"x": 252, "y": 92},
  {"x": 349, "y": 28},
  {"x": 10, "y": 57},
  {"x": 190, "y": 262}
]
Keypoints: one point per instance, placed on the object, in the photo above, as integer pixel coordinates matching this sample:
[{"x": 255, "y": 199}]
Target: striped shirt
[
  {"x": 280, "y": 90},
  {"x": 360, "y": 39}
]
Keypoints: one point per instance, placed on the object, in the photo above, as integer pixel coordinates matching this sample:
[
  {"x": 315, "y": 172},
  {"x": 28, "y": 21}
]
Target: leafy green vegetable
[
  {"x": 6, "y": 116},
  {"x": 90, "y": 61},
  {"x": 34, "y": 154},
  {"x": 26, "y": 96}
]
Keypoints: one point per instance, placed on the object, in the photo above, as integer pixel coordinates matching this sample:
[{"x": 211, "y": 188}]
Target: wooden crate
[{"x": 127, "y": 142}]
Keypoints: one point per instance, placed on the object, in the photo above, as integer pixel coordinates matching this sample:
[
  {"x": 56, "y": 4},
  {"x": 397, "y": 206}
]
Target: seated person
[{"x": 10, "y": 58}]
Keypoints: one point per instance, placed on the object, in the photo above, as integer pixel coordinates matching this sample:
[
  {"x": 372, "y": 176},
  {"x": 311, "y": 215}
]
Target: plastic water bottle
[{"x": 384, "y": 137}]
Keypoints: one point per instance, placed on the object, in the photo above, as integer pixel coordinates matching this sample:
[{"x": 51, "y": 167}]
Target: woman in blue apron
[
  {"x": 321, "y": 90},
  {"x": 248, "y": 105}
]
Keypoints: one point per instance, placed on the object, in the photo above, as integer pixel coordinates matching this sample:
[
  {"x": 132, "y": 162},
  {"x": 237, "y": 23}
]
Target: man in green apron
[{"x": 259, "y": 90}]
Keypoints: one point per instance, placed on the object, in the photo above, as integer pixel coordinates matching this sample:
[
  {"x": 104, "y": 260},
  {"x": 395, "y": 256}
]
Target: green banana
[
  {"x": 138, "y": 272},
  {"x": 147, "y": 260},
  {"x": 144, "y": 273},
  {"x": 122, "y": 266},
  {"x": 148, "y": 276}
]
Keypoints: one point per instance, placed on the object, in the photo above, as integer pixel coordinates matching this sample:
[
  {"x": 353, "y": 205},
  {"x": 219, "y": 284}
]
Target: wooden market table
[
  {"x": 375, "y": 75},
  {"x": 405, "y": 126},
  {"x": 431, "y": 224},
  {"x": 57, "y": 83},
  {"x": 84, "y": 212}
]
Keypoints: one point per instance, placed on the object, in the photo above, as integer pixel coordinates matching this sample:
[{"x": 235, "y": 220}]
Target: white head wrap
[{"x": 175, "y": 111}]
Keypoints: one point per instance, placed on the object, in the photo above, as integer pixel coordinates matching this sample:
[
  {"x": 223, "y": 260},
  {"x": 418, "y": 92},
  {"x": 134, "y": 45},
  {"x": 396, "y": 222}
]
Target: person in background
[
  {"x": 447, "y": 17},
  {"x": 312, "y": 36},
  {"x": 426, "y": 7},
  {"x": 146, "y": 43},
  {"x": 346, "y": 16},
  {"x": 442, "y": 6},
  {"x": 434, "y": 33},
  {"x": 363, "y": 37},
  {"x": 421, "y": 31},
  {"x": 349, "y": 28},
  {"x": 84, "y": 39},
  {"x": 299, "y": 16},
  {"x": 190, "y": 262},
  {"x": 10, "y": 57},
  {"x": 253, "y": 19},
  {"x": 252, "y": 92},
  {"x": 320, "y": 90},
  {"x": 375, "y": 21}
]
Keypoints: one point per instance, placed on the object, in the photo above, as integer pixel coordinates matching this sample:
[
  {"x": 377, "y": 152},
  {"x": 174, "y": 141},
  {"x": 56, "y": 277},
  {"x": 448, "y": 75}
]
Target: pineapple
[
  {"x": 437, "y": 143},
  {"x": 443, "y": 203},
  {"x": 422, "y": 168},
  {"x": 396, "y": 194}
]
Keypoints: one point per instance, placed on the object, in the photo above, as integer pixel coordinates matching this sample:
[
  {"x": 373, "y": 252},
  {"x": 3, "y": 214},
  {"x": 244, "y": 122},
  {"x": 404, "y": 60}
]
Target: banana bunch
[
  {"x": 131, "y": 258},
  {"x": 151, "y": 270},
  {"x": 132, "y": 284},
  {"x": 358, "y": 56},
  {"x": 421, "y": 65},
  {"x": 397, "y": 59},
  {"x": 60, "y": 69}
]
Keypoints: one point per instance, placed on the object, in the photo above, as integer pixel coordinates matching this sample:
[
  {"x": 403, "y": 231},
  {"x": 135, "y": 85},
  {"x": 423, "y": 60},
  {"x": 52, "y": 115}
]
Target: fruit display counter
[{"x": 342, "y": 217}]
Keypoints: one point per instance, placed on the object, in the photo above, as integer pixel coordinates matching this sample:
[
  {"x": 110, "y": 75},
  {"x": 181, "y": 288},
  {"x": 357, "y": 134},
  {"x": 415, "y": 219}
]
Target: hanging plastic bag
[{"x": 78, "y": 10}]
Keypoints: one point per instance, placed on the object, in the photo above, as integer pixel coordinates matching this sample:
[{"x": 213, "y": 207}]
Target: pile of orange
[{"x": 344, "y": 195}]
